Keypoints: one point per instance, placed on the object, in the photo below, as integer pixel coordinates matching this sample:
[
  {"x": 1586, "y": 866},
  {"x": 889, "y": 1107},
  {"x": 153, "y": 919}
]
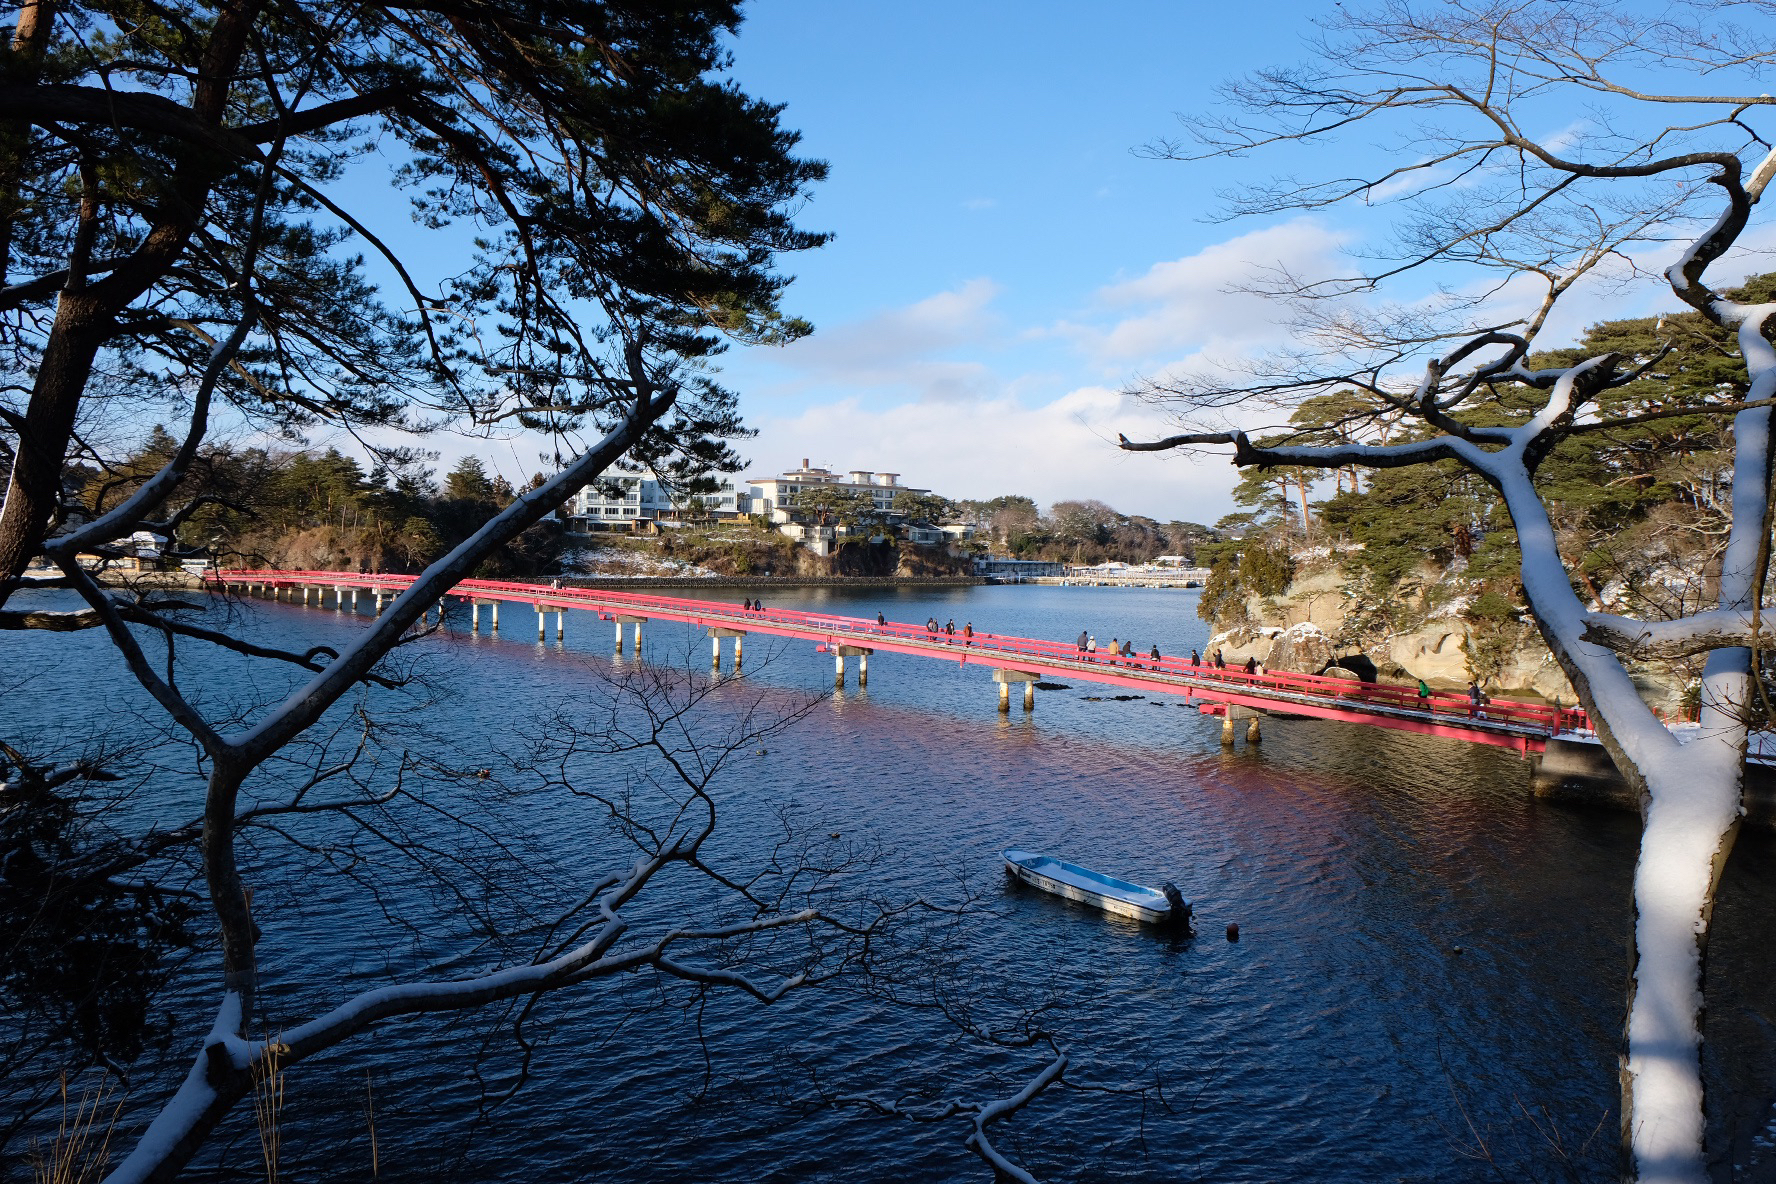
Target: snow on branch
[
  {"x": 981, "y": 1115},
  {"x": 1682, "y": 638}
]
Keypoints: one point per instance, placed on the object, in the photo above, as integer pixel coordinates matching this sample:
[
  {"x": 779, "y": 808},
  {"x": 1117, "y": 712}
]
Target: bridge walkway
[{"x": 1522, "y": 726}]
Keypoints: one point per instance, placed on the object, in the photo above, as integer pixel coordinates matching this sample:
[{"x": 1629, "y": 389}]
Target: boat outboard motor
[{"x": 1181, "y": 910}]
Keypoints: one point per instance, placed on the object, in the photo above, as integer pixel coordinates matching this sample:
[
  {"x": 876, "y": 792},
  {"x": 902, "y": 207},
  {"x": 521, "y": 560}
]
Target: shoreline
[{"x": 762, "y": 581}]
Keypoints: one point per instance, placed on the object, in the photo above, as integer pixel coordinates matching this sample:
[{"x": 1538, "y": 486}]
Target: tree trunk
[{"x": 34, "y": 492}]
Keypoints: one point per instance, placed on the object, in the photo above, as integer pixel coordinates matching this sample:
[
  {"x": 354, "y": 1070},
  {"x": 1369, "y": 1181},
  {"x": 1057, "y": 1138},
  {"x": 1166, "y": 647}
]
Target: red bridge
[{"x": 1230, "y": 693}]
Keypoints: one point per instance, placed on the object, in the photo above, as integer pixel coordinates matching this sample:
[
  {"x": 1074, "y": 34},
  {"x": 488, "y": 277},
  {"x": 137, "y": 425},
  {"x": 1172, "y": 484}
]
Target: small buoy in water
[
  {"x": 1458, "y": 949},
  {"x": 1233, "y": 933}
]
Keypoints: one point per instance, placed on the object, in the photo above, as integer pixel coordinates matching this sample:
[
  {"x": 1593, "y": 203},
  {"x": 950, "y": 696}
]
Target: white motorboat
[{"x": 1164, "y": 905}]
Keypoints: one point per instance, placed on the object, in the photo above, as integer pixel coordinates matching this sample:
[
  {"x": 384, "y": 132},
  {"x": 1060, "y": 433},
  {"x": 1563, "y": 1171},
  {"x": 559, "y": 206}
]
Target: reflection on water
[{"x": 1429, "y": 972}]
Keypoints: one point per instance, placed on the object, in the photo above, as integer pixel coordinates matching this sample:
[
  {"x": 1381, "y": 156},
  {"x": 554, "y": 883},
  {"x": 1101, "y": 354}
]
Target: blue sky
[
  {"x": 992, "y": 281},
  {"x": 1005, "y": 262}
]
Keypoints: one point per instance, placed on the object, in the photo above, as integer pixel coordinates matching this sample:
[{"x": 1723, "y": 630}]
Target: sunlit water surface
[{"x": 1428, "y": 983}]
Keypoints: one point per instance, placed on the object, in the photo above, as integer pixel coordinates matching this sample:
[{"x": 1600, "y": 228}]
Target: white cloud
[
  {"x": 901, "y": 350},
  {"x": 1065, "y": 448},
  {"x": 1192, "y": 304}
]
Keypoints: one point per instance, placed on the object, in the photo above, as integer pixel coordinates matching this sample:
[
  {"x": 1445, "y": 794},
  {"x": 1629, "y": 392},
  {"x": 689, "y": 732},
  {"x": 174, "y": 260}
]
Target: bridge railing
[{"x": 1540, "y": 716}]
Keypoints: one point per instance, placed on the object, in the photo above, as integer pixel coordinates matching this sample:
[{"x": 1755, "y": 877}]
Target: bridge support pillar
[
  {"x": 475, "y": 617},
  {"x": 560, "y": 623},
  {"x": 716, "y": 633},
  {"x": 838, "y": 669},
  {"x": 1230, "y": 720},
  {"x": 635, "y": 621},
  {"x": 540, "y": 619},
  {"x": 841, "y": 652},
  {"x": 1005, "y": 678},
  {"x": 619, "y": 637}
]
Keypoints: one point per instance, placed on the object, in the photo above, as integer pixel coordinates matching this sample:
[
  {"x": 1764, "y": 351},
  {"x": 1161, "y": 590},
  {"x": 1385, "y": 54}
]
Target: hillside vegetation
[{"x": 1641, "y": 513}]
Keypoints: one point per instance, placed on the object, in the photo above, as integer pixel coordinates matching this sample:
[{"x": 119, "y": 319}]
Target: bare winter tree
[
  {"x": 1541, "y": 150},
  {"x": 177, "y": 246}
]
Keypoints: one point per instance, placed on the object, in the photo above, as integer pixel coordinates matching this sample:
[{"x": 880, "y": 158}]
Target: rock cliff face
[{"x": 1321, "y": 625}]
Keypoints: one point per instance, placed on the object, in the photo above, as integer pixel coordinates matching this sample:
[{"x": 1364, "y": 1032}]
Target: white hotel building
[
  {"x": 770, "y": 495},
  {"x": 642, "y": 498},
  {"x": 640, "y": 501}
]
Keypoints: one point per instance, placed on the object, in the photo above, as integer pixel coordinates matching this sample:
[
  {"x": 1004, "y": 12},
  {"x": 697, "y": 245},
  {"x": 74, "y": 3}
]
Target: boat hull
[{"x": 1117, "y": 897}]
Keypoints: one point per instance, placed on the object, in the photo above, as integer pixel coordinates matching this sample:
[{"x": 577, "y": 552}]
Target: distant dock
[{"x": 1131, "y": 577}]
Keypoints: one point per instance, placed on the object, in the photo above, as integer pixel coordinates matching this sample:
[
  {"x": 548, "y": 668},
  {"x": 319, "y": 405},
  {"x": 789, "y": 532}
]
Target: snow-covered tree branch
[{"x": 1459, "y": 372}]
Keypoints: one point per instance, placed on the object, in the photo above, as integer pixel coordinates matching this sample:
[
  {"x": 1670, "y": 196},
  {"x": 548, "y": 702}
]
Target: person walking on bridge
[
  {"x": 1091, "y": 649},
  {"x": 1115, "y": 650},
  {"x": 880, "y": 619},
  {"x": 1424, "y": 695},
  {"x": 1082, "y": 639},
  {"x": 968, "y": 633},
  {"x": 1194, "y": 660},
  {"x": 950, "y": 629}
]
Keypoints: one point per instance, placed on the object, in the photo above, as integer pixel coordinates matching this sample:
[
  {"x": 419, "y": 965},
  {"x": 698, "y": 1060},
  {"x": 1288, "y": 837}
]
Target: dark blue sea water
[{"x": 1428, "y": 983}]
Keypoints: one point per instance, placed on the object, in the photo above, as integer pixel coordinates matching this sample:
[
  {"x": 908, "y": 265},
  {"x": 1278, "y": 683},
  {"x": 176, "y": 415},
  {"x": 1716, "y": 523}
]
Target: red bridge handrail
[{"x": 1550, "y": 719}]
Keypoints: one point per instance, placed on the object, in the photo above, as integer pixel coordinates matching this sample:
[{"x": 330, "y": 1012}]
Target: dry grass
[
  {"x": 82, "y": 1149},
  {"x": 268, "y": 1104}
]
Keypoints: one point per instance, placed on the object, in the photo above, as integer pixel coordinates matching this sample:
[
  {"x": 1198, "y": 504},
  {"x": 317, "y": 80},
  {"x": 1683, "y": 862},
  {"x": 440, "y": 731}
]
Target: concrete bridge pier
[
  {"x": 1005, "y": 678},
  {"x": 560, "y": 624},
  {"x": 1230, "y": 724},
  {"x": 840, "y": 653},
  {"x": 475, "y": 607},
  {"x": 635, "y": 621},
  {"x": 715, "y": 638}
]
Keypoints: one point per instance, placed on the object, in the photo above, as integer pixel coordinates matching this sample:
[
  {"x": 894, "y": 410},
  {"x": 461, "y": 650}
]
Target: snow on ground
[{"x": 622, "y": 563}]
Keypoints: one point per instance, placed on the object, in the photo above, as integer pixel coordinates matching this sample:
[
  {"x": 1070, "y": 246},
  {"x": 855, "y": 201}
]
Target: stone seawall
[{"x": 1581, "y": 771}]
